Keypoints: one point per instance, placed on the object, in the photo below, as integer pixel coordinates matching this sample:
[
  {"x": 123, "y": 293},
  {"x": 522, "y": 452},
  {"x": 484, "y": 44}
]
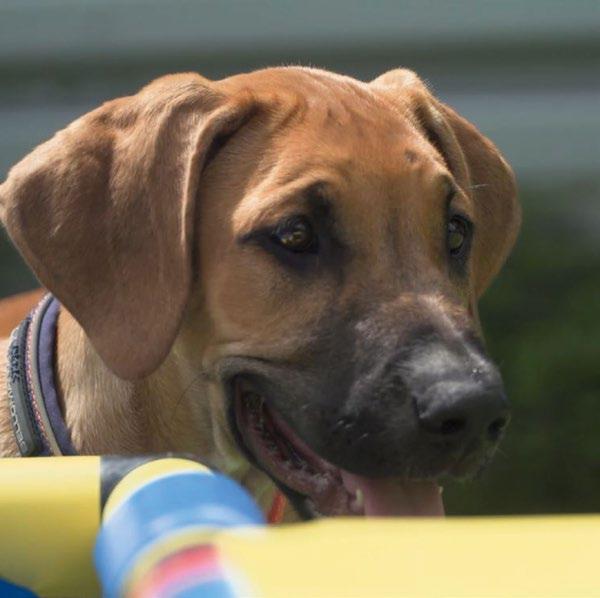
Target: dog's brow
[
  {"x": 454, "y": 198},
  {"x": 316, "y": 195},
  {"x": 310, "y": 196},
  {"x": 449, "y": 187},
  {"x": 320, "y": 196}
]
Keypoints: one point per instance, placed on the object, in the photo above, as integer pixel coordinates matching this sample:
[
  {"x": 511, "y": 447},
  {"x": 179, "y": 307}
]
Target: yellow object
[
  {"x": 50, "y": 514},
  {"x": 49, "y": 517},
  {"x": 457, "y": 557}
]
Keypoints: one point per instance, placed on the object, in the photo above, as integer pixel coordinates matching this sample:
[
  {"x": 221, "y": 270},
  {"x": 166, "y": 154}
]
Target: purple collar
[{"x": 36, "y": 417}]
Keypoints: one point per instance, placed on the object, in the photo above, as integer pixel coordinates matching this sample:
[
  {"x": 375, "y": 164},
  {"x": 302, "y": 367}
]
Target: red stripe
[
  {"x": 277, "y": 508},
  {"x": 195, "y": 565}
]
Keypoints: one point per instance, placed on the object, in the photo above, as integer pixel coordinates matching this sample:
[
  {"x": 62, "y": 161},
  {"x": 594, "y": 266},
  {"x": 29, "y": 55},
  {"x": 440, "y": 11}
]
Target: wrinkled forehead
[
  {"x": 345, "y": 122},
  {"x": 334, "y": 114},
  {"x": 359, "y": 150}
]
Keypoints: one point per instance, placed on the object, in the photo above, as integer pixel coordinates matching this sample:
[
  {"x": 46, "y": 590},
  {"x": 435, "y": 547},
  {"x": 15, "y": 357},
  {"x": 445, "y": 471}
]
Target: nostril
[
  {"x": 460, "y": 411},
  {"x": 452, "y": 426},
  {"x": 496, "y": 427}
]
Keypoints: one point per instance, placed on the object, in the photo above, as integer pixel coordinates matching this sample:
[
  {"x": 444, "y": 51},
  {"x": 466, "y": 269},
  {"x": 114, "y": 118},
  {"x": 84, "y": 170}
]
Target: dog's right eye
[{"x": 295, "y": 234}]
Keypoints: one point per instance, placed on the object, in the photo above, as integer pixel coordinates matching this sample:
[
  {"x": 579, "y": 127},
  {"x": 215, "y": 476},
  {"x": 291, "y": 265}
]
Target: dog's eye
[
  {"x": 296, "y": 235},
  {"x": 457, "y": 234}
]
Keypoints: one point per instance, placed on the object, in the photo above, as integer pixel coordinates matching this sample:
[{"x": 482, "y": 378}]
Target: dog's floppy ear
[
  {"x": 476, "y": 164},
  {"x": 104, "y": 213}
]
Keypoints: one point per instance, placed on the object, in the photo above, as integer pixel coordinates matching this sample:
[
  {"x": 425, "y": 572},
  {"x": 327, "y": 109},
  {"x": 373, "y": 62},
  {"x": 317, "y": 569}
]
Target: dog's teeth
[{"x": 359, "y": 498}]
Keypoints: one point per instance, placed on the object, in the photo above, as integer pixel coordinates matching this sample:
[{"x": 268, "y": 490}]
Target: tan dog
[{"x": 278, "y": 272}]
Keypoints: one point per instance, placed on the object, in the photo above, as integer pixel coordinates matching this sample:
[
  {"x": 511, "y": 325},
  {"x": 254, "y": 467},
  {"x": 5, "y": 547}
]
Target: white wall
[{"x": 527, "y": 72}]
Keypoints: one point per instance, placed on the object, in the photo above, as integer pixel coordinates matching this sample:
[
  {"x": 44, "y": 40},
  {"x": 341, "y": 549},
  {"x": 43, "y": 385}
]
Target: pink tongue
[{"x": 387, "y": 497}]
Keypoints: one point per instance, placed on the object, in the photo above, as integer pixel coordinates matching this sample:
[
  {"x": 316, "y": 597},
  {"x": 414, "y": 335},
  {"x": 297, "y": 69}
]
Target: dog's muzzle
[{"x": 370, "y": 438}]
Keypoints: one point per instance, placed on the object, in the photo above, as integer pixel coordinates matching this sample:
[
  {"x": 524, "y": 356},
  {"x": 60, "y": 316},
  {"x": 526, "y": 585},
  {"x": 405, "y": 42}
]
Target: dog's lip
[
  {"x": 325, "y": 489},
  {"x": 298, "y": 470}
]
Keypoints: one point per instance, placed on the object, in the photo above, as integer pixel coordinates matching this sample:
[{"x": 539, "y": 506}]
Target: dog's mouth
[{"x": 324, "y": 488}]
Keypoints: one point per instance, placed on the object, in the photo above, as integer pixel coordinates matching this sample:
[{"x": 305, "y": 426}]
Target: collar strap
[{"x": 35, "y": 411}]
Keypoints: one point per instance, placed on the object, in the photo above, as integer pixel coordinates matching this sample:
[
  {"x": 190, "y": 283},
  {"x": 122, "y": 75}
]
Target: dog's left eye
[
  {"x": 296, "y": 234},
  {"x": 457, "y": 235}
]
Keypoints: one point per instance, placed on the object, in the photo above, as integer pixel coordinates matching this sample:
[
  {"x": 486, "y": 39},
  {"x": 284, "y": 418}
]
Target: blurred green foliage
[
  {"x": 542, "y": 323},
  {"x": 14, "y": 274}
]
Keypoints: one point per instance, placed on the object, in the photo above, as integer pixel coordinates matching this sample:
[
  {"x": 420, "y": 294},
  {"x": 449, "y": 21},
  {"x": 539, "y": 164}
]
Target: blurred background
[{"x": 526, "y": 72}]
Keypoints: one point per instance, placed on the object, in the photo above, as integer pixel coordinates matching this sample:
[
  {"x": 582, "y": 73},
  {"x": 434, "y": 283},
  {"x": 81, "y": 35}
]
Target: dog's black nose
[{"x": 461, "y": 409}]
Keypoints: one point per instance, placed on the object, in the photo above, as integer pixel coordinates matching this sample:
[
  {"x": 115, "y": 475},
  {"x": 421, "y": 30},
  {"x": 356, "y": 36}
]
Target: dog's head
[{"x": 315, "y": 245}]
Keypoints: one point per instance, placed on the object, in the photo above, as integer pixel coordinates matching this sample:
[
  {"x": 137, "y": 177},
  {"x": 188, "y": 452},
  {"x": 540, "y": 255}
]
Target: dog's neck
[{"x": 107, "y": 414}]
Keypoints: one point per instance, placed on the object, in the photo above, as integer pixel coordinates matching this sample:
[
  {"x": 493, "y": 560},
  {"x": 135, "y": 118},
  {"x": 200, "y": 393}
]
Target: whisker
[{"x": 179, "y": 401}]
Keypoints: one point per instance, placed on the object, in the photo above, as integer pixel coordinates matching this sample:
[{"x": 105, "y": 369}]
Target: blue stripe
[
  {"x": 163, "y": 507},
  {"x": 10, "y": 590},
  {"x": 216, "y": 588}
]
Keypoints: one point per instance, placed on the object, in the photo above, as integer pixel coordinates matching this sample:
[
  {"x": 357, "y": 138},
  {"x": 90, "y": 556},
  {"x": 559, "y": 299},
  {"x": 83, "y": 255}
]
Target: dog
[{"x": 277, "y": 272}]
